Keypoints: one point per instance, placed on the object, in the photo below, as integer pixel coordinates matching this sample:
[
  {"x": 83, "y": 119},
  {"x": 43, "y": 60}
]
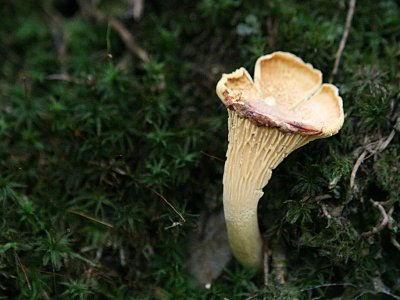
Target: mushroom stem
[{"x": 252, "y": 155}]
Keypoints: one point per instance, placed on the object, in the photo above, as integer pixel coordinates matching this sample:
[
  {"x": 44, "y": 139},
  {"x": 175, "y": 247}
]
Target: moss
[{"x": 84, "y": 159}]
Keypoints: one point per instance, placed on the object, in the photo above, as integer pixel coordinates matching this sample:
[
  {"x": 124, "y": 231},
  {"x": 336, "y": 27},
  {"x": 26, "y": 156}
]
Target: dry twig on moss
[
  {"x": 22, "y": 267},
  {"x": 91, "y": 218},
  {"x": 384, "y": 222},
  {"x": 342, "y": 44},
  {"x": 393, "y": 239},
  {"x": 138, "y": 6},
  {"x": 169, "y": 204},
  {"x": 55, "y": 22},
  {"x": 90, "y": 11},
  {"x": 267, "y": 254},
  {"x": 370, "y": 150}
]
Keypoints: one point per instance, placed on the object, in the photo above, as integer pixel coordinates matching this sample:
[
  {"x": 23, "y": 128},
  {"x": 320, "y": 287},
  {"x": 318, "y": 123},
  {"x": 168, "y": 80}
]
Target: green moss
[{"x": 84, "y": 160}]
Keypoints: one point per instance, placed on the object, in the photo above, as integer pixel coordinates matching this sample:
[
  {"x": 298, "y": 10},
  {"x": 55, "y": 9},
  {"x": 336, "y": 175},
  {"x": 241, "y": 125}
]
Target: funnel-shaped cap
[{"x": 286, "y": 93}]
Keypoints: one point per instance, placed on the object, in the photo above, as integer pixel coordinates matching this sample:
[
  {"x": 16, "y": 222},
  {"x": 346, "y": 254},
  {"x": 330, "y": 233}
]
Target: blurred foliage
[{"x": 93, "y": 147}]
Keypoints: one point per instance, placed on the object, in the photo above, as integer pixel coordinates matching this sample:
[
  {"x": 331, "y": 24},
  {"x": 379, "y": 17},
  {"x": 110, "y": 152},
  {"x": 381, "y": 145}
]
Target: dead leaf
[{"x": 209, "y": 250}]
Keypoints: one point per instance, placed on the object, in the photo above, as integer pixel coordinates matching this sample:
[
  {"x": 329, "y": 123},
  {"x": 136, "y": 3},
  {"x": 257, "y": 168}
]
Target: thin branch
[
  {"x": 89, "y": 10},
  {"x": 254, "y": 296},
  {"x": 51, "y": 273},
  {"x": 64, "y": 77},
  {"x": 91, "y": 218},
  {"x": 174, "y": 224},
  {"x": 137, "y": 9},
  {"x": 322, "y": 197},
  {"x": 342, "y": 44},
  {"x": 326, "y": 285},
  {"x": 212, "y": 156},
  {"x": 267, "y": 253},
  {"x": 382, "y": 224},
  {"x": 325, "y": 212},
  {"x": 279, "y": 262},
  {"x": 394, "y": 242},
  {"x": 375, "y": 293},
  {"x": 393, "y": 239},
  {"x": 371, "y": 149},
  {"x": 169, "y": 204},
  {"x": 22, "y": 267},
  {"x": 359, "y": 161},
  {"x": 272, "y": 29},
  {"x": 387, "y": 141},
  {"x": 59, "y": 77},
  {"x": 56, "y": 24},
  {"x": 128, "y": 39}
]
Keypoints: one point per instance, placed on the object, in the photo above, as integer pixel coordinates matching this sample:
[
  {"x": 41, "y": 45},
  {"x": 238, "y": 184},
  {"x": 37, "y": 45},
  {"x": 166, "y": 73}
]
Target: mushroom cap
[{"x": 286, "y": 93}]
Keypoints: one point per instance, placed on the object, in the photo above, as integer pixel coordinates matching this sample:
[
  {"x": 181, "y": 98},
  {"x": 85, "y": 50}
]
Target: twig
[
  {"x": 137, "y": 9},
  {"x": 64, "y": 77},
  {"x": 212, "y": 156},
  {"x": 272, "y": 29},
  {"x": 91, "y": 218},
  {"x": 279, "y": 262},
  {"x": 326, "y": 285},
  {"x": 305, "y": 199},
  {"x": 381, "y": 225},
  {"x": 375, "y": 293},
  {"x": 169, "y": 204},
  {"x": 22, "y": 267},
  {"x": 59, "y": 77},
  {"x": 122, "y": 257},
  {"x": 174, "y": 224},
  {"x": 359, "y": 161},
  {"x": 394, "y": 242},
  {"x": 254, "y": 296},
  {"x": 128, "y": 39},
  {"x": 393, "y": 239},
  {"x": 51, "y": 273},
  {"x": 325, "y": 212},
  {"x": 386, "y": 142},
  {"x": 322, "y": 197},
  {"x": 267, "y": 253},
  {"x": 342, "y": 44},
  {"x": 371, "y": 149},
  {"x": 56, "y": 23},
  {"x": 90, "y": 10}
]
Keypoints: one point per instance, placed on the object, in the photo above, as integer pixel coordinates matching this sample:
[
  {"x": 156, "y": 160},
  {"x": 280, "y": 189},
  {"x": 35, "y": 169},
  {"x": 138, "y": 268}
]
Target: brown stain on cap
[{"x": 260, "y": 119}]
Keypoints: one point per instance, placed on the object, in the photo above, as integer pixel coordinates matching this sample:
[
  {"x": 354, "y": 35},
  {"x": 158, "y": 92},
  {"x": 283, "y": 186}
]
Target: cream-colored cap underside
[{"x": 286, "y": 93}]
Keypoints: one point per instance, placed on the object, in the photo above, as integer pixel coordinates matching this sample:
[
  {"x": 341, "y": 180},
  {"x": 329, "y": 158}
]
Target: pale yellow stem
[{"x": 253, "y": 152}]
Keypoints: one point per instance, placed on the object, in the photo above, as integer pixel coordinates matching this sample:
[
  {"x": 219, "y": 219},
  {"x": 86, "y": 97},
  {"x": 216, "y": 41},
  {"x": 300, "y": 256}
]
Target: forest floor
[{"x": 113, "y": 141}]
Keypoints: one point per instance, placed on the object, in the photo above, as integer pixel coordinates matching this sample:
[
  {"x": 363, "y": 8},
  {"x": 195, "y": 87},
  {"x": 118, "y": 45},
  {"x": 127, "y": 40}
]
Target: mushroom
[{"x": 285, "y": 107}]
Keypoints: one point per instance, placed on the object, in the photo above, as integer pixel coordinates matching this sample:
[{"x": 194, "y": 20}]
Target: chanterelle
[{"x": 285, "y": 107}]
